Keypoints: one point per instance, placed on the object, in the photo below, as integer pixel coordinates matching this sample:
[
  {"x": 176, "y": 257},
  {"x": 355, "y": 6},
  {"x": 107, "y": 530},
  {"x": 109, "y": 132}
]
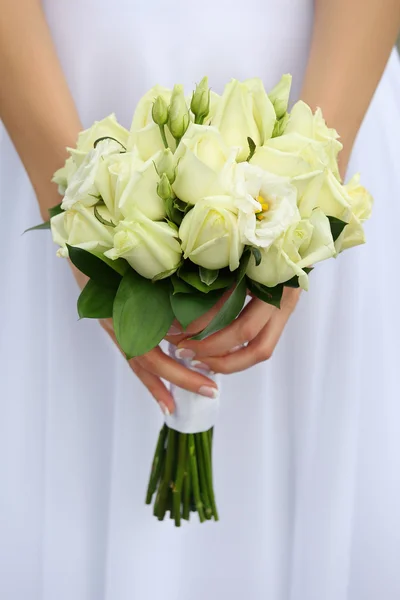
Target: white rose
[
  {"x": 305, "y": 243},
  {"x": 321, "y": 189},
  {"x": 214, "y": 102},
  {"x": 62, "y": 176},
  {"x": 243, "y": 111},
  {"x": 107, "y": 128},
  {"x": 200, "y": 158},
  {"x": 291, "y": 155},
  {"x": 80, "y": 227},
  {"x": 361, "y": 206},
  {"x": 144, "y": 133},
  {"x": 91, "y": 176},
  {"x": 140, "y": 191},
  {"x": 311, "y": 126},
  {"x": 266, "y": 203},
  {"x": 209, "y": 234},
  {"x": 116, "y": 170},
  {"x": 150, "y": 247}
]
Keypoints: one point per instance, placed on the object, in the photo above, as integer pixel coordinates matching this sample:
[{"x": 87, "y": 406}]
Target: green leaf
[
  {"x": 337, "y": 227},
  {"x": 120, "y": 265},
  {"x": 96, "y": 301},
  {"x": 45, "y": 225},
  {"x": 94, "y": 267},
  {"x": 189, "y": 307},
  {"x": 228, "y": 313},
  {"x": 266, "y": 294},
  {"x": 294, "y": 282},
  {"x": 173, "y": 225},
  {"x": 180, "y": 287},
  {"x": 173, "y": 213},
  {"x": 257, "y": 255},
  {"x": 244, "y": 262},
  {"x": 142, "y": 314},
  {"x": 252, "y": 148},
  {"x": 55, "y": 210},
  {"x": 223, "y": 281},
  {"x": 208, "y": 276}
]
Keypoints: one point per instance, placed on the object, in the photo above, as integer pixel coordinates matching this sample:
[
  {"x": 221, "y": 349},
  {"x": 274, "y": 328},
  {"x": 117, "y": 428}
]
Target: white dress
[{"x": 307, "y": 447}]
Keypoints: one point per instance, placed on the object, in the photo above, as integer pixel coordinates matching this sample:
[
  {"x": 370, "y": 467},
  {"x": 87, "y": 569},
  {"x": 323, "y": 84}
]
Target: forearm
[
  {"x": 35, "y": 103},
  {"x": 351, "y": 43}
]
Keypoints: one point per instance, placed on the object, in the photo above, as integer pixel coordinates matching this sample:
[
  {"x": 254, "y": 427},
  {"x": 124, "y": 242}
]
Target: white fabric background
[{"x": 307, "y": 447}]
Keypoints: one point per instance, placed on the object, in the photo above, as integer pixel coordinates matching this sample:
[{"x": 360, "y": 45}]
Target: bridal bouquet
[{"x": 203, "y": 196}]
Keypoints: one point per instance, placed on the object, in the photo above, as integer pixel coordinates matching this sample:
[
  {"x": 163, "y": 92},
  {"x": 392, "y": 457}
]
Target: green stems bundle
[{"x": 181, "y": 476}]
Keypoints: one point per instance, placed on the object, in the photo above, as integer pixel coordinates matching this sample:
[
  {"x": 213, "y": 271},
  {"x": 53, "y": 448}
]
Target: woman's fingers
[
  {"x": 158, "y": 363},
  {"x": 155, "y": 386},
  {"x": 153, "y": 383},
  {"x": 262, "y": 346},
  {"x": 244, "y": 329}
]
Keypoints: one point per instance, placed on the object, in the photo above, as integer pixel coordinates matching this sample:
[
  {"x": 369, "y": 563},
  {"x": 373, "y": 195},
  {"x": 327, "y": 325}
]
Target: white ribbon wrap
[{"x": 193, "y": 413}]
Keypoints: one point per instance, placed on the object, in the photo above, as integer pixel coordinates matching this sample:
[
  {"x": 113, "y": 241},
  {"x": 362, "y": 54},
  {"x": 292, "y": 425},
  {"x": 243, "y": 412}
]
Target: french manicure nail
[
  {"x": 173, "y": 330},
  {"x": 164, "y": 409},
  {"x": 236, "y": 348},
  {"x": 197, "y": 364},
  {"x": 209, "y": 392},
  {"x": 184, "y": 353}
]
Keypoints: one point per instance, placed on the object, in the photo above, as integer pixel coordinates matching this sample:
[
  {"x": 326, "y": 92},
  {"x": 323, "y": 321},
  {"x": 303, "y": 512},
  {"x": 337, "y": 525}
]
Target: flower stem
[
  {"x": 160, "y": 485},
  {"x": 180, "y": 473},
  {"x": 163, "y": 136},
  {"x": 205, "y": 436},
  {"x": 195, "y": 477},
  {"x": 202, "y": 476},
  {"x": 169, "y": 464},
  {"x": 187, "y": 490},
  {"x": 157, "y": 464}
]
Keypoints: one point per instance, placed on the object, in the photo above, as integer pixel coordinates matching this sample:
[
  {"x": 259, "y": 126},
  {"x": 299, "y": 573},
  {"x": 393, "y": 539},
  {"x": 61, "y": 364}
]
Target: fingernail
[
  {"x": 197, "y": 364},
  {"x": 236, "y": 348},
  {"x": 210, "y": 392},
  {"x": 164, "y": 409},
  {"x": 173, "y": 330},
  {"x": 184, "y": 353}
]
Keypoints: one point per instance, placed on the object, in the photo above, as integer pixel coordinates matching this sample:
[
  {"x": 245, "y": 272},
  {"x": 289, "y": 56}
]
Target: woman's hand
[
  {"x": 250, "y": 339},
  {"x": 155, "y": 365}
]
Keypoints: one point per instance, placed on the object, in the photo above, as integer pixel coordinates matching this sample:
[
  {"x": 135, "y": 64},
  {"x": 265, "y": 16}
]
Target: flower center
[{"x": 264, "y": 208}]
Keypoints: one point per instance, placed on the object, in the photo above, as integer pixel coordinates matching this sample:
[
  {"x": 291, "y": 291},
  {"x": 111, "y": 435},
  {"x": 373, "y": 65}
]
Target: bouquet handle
[{"x": 194, "y": 413}]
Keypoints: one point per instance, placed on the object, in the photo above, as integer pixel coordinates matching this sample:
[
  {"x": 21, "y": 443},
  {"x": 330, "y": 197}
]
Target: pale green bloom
[
  {"x": 80, "y": 227},
  {"x": 303, "y": 244},
  {"x": 150, "y": 247},
  {"x": 210, "y": 234},
  {"x": 200, "y": 159},
  {"x": 244, "y": 110}
]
